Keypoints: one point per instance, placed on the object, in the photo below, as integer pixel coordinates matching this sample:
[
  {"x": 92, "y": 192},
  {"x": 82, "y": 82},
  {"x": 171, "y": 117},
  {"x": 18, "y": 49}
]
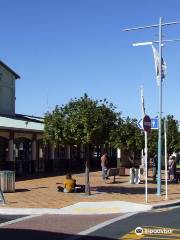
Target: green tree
[
  {"x": 82, "y": 120},
  {"x": 152, "y": 142},
  {"x": 127, "y": 136},
  {"x": 54, "y": 127},
  {"x": 173, "y": 137}
]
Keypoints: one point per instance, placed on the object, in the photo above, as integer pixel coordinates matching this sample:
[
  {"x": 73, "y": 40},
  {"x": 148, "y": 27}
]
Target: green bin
[{"x": 7, "y": 181}]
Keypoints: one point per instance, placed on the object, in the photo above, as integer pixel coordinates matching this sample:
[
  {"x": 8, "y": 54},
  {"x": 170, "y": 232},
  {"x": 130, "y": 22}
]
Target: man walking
[{"x": 104, "y": 165}]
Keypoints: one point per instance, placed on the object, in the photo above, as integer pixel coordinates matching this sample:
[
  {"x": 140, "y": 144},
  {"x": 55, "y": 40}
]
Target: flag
[
  {"x": 157, "y": 64},
  {"x": 142, "y": 102}
]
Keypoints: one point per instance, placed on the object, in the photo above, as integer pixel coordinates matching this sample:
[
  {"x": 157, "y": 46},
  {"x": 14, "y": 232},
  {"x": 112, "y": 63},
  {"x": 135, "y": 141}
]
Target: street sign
[
  {"x": 146, "y": 123},
  {"x": 140, "y": 124},
  {"x": 154, "y": 123}
]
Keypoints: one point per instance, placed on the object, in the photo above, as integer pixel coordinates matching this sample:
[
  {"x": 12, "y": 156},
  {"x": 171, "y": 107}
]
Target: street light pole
[
  {"x": 160, "y": 25},
  {"x": 160, "y": 109}
]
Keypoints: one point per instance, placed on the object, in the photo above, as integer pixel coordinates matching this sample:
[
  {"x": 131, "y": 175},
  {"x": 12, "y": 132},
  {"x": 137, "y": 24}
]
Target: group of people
[
  {"x": 71, "y": 186},
  {"x": 171, "y": 167}
]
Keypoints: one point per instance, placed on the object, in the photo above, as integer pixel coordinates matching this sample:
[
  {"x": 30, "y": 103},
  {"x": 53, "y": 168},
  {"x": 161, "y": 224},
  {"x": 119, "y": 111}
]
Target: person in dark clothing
[{"x": 172, "y": 168}]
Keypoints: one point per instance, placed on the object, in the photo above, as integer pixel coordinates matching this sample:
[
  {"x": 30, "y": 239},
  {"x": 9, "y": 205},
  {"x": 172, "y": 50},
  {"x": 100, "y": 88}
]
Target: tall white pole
[
  {"x": 160, "y": 109},
  {"x": 146, "y": 149},
  {"x": 165, "y": 144},
  {"x": 146, "y": 166}
]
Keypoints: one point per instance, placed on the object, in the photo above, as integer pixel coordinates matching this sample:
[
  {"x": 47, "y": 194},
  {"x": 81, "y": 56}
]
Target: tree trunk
[
  {"x": 87, "y": 164},
  {"x": 69, "y": 158}
]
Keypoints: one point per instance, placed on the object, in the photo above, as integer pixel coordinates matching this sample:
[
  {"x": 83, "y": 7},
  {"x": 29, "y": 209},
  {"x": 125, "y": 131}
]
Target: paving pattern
[{"x": 42, "y": 193}]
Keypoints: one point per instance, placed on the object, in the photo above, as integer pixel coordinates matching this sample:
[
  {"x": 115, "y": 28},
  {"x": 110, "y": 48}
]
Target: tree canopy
[
  {"x": 127, "y": 136},
  {"x": 82, "y": 120},
  {"x": 173, "y": 135}
]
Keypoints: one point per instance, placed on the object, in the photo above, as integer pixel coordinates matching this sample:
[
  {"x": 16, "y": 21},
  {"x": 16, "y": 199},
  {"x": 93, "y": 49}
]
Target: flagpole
[{"x": 160, "y": 109}]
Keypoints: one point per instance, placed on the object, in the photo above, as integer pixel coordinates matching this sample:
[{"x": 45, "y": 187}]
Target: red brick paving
[{"x": 42, "y": 193}]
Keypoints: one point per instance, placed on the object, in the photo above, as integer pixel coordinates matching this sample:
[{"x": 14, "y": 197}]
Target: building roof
[
  {"x": 21, "y": 122},
  {"x": 9, "y": 69}
]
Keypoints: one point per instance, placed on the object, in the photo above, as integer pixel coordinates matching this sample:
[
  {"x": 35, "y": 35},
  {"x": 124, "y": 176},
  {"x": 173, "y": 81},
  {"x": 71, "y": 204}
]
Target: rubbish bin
[{"x": 7, "y": 181}]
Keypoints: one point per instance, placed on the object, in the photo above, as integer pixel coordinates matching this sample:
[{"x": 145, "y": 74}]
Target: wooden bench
[{"x": 113, "y": 172}]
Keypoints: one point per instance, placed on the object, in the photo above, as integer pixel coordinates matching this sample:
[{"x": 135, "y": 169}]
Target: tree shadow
[
  {"x": 111, "y": 181},
  {"x": 27, "y": 190},
  {"x": 124, "y": 190},
  {"x": 39, "y": 187},
  {"x": 22, "y": 190},
  {"x": 28, "y": 234}
]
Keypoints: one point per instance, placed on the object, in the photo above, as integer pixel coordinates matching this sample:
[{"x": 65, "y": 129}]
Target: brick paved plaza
[{"x": 42, "y": 193}]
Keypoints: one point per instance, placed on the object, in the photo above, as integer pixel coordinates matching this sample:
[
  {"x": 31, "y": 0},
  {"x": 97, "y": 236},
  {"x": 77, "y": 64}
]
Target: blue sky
[{"x": 64, "y": 48}]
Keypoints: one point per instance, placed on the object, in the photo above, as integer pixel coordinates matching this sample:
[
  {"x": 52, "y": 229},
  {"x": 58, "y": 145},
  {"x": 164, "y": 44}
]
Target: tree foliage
[
  {"x": 127, "y": 136},
  {"x": 82, "y": 120},
  {"x": 54, "y": 127},
  {"x": 89, "y": 121},
  {"x": 152, "y": 142},
  {"x": 173, "y": 136}
]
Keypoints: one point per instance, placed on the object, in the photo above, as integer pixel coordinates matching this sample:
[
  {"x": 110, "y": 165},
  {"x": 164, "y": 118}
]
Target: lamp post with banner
[{"x": 160, "y": 76}]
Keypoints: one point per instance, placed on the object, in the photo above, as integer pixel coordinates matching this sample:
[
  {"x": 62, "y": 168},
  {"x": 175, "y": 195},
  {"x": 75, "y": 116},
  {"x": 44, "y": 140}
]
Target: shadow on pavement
[
  {"x": 27, "y": 190},
  {"x": 124, "y": 190},
  {"x": 27, "y": 234},
  {"x": 22, "y": 190}
]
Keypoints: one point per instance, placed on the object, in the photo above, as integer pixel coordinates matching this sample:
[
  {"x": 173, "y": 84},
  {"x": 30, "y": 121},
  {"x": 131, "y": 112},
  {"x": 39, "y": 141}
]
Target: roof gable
[{"x": 9, "y": 69}]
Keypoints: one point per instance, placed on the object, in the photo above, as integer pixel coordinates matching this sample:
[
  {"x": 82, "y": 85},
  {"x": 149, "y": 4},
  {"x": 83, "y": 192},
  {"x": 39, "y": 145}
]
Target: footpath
[
  {"x": 39, "y": 211},
  {"x": 40, "y": 196}
]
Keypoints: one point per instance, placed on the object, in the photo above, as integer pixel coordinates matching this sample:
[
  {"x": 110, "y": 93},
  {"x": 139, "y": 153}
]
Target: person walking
[
  {"x": 104, "y": 165},
  {"x": 171, "y": 164}
]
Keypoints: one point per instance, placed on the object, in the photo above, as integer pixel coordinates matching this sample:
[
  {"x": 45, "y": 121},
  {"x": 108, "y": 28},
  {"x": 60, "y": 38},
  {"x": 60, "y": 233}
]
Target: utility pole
[{"x": 160, "y": 41}]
